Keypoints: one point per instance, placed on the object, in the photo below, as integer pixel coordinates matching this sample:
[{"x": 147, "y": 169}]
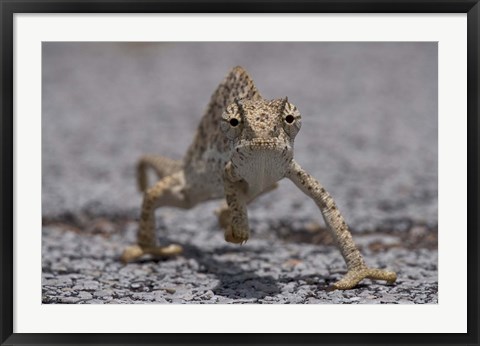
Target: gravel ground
[
  {"x": 369, "y": 135},
  {"x": 81, "y": 266}
]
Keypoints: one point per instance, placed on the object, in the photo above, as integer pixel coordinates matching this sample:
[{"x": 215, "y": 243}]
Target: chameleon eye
[
  {"x": 234, "y": 122},
  {"x": 289, "y": 119}
]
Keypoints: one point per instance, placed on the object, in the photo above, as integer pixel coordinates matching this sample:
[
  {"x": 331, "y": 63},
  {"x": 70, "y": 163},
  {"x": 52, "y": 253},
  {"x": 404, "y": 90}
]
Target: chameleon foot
[
  {"x": 136, "y": 251},
  {"x": 354, "y": 276},
  {"x": 236, "y": 237}
]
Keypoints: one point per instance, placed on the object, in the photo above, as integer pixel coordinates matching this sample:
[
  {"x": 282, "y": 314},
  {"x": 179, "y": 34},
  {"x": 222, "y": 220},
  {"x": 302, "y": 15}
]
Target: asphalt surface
[{"x": 369, "y": 135}]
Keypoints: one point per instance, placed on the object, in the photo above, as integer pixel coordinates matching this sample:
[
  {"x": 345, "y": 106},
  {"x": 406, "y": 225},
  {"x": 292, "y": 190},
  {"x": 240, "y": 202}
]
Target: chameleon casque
[{"x": 243, "y": 146}]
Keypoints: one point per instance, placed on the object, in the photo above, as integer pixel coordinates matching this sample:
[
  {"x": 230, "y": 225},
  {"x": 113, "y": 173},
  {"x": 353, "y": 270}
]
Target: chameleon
[{"x": 243, "y": 146}]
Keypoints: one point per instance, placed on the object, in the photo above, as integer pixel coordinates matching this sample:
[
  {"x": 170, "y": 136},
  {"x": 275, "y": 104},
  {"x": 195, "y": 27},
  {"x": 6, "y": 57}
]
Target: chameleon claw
[
  {"x": 354, "y": 276},
  {"x": 231, "y": 238},
  {"x": 134, "y": 252},
  {"x": 131, "y": 253}
]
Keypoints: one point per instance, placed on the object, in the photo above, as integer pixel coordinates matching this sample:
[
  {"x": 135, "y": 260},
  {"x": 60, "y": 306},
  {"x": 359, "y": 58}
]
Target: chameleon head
[
  {"x": 262, "y": 134},
  {"x": 257, "y": 121}
]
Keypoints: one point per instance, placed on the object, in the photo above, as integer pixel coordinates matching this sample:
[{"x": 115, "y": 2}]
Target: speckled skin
[{"x": 243, "y": 146}]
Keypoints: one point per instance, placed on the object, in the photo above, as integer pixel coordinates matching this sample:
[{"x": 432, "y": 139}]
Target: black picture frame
[{"x": 10, "y": 7}]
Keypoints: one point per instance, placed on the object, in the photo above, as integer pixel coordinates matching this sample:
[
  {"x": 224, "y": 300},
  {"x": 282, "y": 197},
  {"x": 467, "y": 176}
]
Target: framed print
[{"x": 241, "y": 173}]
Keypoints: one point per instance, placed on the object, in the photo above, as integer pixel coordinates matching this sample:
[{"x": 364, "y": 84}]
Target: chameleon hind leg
[
  {"x": 162, "y": 166},
  {"x": 169, "y": 191},
  {"x": 357, "y": 270}
]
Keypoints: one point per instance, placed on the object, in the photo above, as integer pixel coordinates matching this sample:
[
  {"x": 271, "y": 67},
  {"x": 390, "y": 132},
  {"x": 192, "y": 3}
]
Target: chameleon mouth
[{"x": 261, "y": 143}]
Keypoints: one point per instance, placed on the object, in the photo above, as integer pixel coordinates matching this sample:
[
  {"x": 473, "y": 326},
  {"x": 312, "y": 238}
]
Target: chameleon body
[{"x": 243, "y": 146}]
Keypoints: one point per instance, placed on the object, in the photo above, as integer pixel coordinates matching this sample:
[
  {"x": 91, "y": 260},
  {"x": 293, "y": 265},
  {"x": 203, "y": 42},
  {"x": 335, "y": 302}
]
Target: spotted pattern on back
[{"x": 237, "y": 85}]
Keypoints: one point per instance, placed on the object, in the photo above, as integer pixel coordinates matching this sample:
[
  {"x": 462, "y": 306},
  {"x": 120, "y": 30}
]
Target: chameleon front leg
[
  {"x": 237, "y": 231},
  {"x": 223, "y": 212},
  {"x": 167, "y": 192},
  {"x": 357, "y": 270}
]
